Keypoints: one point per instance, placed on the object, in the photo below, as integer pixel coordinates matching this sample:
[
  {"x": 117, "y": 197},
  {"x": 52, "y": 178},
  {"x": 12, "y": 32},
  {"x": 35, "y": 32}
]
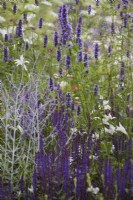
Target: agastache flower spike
[
  {"x": 20, "y": 31},
  {"x": 25, "y": 16},
  {"x": 40, "y": 23},
  {"x": 36, "y": 2},
  {"x": 51, "y": 84},
  {"x": 96, "y": 51},
  {"x": 77, "y": 2},
  {"x": 4, "y": 5},
  {"x": 128, "y": 54},
  {"x": 80, "y": 56},
  {"x": 86, "y": 60},
  {"x": 26, "y": 46},
  {"x": 125, "y": 20},
  {"x": 112, "y": 28},
  {"x": 122, "y": 72},
  {"x": 56, "y": 38},
  {"x": 45, "y": 40},
  {"x": 78, "y": 110},
  {"x": 68, "y": 61},
  {"x": 97, "y": 2},
  {"x": 95, "y": 90},
  {"x": 6, "y": 54},
  {"x": 6, "y": 37},
  {"x": 68, "y": 99},
  {"x": 15, "y": 8},
  {"x": 89, "y": 9},
  {"x": 58, "y": 55}
]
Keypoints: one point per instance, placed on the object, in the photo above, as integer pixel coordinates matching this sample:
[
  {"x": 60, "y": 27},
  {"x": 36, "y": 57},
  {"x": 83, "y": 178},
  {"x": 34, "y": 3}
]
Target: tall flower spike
[
  {"x": 68, "y": 99},
  {"x": 20, "y": 31},
  {"x": 6, "y": 54},
  {"x": 86, "y": 60},
  {"x": 6, "y": 37},
  {"x": 95, "y": 90},
  {"x": 25, "y": 16},
  {"x": 96, "y": 51},
  {"x": 68, "y": 61},
  {"x": 56, "y": 38},
  {"x": 15, "y": 8},
  {"x": 89, "y": 9},
  {"x": 112, "y": 28},
  {"x": 77, "y": 2},
  {"x": 40, "y": 23},
  {"x": 80, "y": 56},
  {"x": 122, "y": 72},
  {"x": 4, "y": 5},
  {"x": 78, "y": 110},
  {"x": 97, "y": 2},
  {"x": 26, "y": 46},
  {"x": 45, "y": 40},
  {"x": 51, "y": 84},
  {"x": 58, "y": 55},
  {"x": 125, "y": 20},
  {"x": 36, "y": 2}
]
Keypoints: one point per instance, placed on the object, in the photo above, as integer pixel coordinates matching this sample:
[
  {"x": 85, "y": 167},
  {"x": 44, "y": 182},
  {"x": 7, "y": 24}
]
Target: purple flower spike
[
  {"x": 68, "y": 61},
  {"x": 77, "y": 2},
  {"x": 128, "y": 54},
  {"x": 89, "y": 9},
  {"x": 78, "y": 110},
  {"x": 6, "y": 54},
  {"x": 68, "y": 99},
  {"x": 112, "y": 28},
  {"x": 58, "y": 55},
  {"x": 97, "y": 2},
  {"x": 51, "y": 84},
  {"x": 25, "y": 16},
  {"x": 86, "y": 60},
  {"x": 125, "y": 20},
  {"x": 95, "y": 90},
  {"x": 96, "y": 51},
  {"x": 36, "y": 2},
  {"x": 20, "y": 31},
  {"x": 4, "y": 5},
  {"x": 6, "y": 37},
  {"x": 56, "y": 38},
  {"x": 122, "y": 72},
  {"x": 80, "y": 56},
  {"x": 15, "y": 8},
  {"x": 40, "y": 23},
  {"x": 45, "y": 40},
  {"x": 26, "y": 46}
]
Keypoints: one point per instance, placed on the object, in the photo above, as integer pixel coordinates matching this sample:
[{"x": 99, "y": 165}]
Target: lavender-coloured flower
[
  {"x": 97, "y": 2},
  {"x": 78, "y": 32},
  {"x": 19, "y": 30},
  {"x": 4, "y": 5},
  {"x": 68, "y": 99},
  {"x": 22, "y": 184},
  {"x": 128, "y": 53},
  {"x": 125, "y": 20},
  {"x": 96, "y": 51},
  {"x": 119, "y": 5},
  {"x": 6, "y": 37},
  {"x": 58, "y": 54},
  {"x": 40, "y": 23},
  {"x": 26, "y": 46},
  {"x": 78, "y": 110},
  {"x": 80, "y": 20},
  {"x": 51, "y": 84},
  {"x": 25, "y": 16},
  {"x": 15, "y": 8},
  {"x": 45, "y": 40},
  {"x": 122, "y": 72},
  {"x": 56, "y": 39},
  {"x": 68, "y": 61},
  {"x": 95, "y": 90},
  {"x": 6, "y": 54},
  {"x": 77, "y": 2},
  {"x": 80, "y": 54},
  {"x": 112, "y": 28},
  {"x": 86, "y": 60},
  {"x": 89, "y": 9}
]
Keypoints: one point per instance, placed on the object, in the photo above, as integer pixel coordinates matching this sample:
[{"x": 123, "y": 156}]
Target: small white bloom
[
  {"x": 63, "y": 84},
  {"x": 21, "y": 62},
  {"x": 107, "y": 118},
  {"x": 93, "y": 190},
  {"x": 105, "y": 105},
  {"x": 73, "y": 130},
  {"x": 31, "y": 7},
  {"x": 110, "y": 130},
  {"x": 2, "y": 19},
  {"x": 121, "y": 129},
  {"x": 112, "y": 149}
]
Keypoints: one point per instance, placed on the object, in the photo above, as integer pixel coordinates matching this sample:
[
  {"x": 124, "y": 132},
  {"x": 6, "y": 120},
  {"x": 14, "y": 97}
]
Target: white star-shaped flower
[{"x": 21, "y": 62}]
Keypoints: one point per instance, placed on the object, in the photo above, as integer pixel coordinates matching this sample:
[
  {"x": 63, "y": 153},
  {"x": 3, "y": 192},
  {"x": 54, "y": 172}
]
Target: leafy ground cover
[{"x": 66, "y": 101}]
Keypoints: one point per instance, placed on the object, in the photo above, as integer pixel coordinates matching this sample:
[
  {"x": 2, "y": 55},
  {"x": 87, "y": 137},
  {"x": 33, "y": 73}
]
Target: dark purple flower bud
[
  {"x": 122, "y": 72},
  {"x": 109, "y": 49},
  {"x": 78, "y": 110},
  {"x": 26, "y": 46},
  {"x": 40, "y": 23},
  {"x": 89, "y": 9},
  {"x": 80, "y": 43},
  {"x": 80, "y": 20},
  {"x": 15, "y": 8},
  {"x": 80, "y": 56},
  {"x": 68, "y": 99},
  {"x": 51, "y": 84},
  {"x": 56, "y": 38},
  {"x": 96, "y": 51},
  {"x": 128, "y": 54},
  {"x": 58, "y": 55},
  {"x": 22, "y": 184},
  {"x": 20, "y": 31},
  {"x": 77, "y": 2},
  {"x": 36, "y": 2},
  {"x": 78, "y": 32},
  {"x": 6, "y": 54},
  {"x": 25, "y": 16},
  {"x": 60, "y": 72},
  {"x": 112, "y": 28},
  {"x": 34, "y": 181},
  {"x": 68, "y": 61},
  {"x": 125, "y": 20},
  {"x": 121, "y": 14},
  {"x": 118, "y": 6},
  {"x": 111, "y": 1},
  {"x": 95, "y": 90},
  {"x": 4, "y": 5},
  {"x": 45, "y": 40},
  {"x": 86, "y": 60},
  {"x": 6, "y": 37},
  {"x": 97, "y": 2}
]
